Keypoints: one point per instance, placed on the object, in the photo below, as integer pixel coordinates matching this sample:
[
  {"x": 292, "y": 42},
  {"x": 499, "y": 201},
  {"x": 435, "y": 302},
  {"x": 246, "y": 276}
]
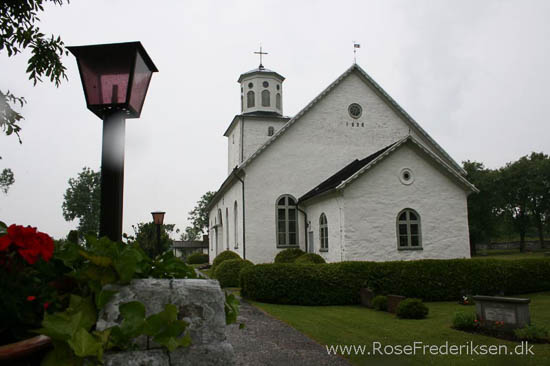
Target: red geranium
[{"x": 30, "y": 243}]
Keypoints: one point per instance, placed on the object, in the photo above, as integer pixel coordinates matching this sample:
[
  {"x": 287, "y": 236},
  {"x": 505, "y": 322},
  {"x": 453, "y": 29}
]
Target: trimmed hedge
[
  {"x": 411, "y": 309},
  {"x": 227, "y": 272},
  {"x": 310, "y": 258},
  {"x": 288, "y": 255},
  {"x": 429, "y": 280},
  {"x": 197, "y": 258},
  {"x": 380, "y": 303},
  {"x": 223, "y": 256}
]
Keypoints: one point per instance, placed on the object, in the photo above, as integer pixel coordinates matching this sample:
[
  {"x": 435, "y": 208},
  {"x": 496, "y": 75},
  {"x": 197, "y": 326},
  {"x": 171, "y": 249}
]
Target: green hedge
[
  {"x": 310, "y": 258},
  {"x": 197, "y": 258},
  {"x": 429, "y": 280},
  {"x": 223, "y": 256},
  {"x": 288, "y": 255},
  {"x": 228, "y": 271}
]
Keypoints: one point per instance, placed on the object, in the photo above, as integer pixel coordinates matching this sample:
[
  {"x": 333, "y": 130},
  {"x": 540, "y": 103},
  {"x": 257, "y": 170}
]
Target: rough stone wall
[
  {"x": 373, "y": 201},
  {"x": 200, "y": 303}
]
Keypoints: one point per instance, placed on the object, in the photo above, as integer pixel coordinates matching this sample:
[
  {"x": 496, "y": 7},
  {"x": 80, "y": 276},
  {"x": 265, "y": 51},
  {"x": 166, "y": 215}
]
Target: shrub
[
  {"x": 223, "y": 256},
  {"x": 411, "y": 309},
  {"x": 532, "y": 333},
  {"x": 197, "y": 258},
  {"x": 464, "y": 321},
  {"x": 228, "y": 271},
  {"x": 380, "y": 302},
  {"x": 430, "y": 280},
  {"x": 310, "y": 258},
  {"x": 288, "y": 255}
]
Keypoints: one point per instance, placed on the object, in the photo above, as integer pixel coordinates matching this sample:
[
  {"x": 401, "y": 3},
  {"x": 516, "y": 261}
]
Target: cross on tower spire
[{"x": 261, "y": 54}]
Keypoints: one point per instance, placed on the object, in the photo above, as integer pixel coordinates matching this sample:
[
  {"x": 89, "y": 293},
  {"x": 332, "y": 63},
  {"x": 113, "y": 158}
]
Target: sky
[{"x": 474, "y": 74}]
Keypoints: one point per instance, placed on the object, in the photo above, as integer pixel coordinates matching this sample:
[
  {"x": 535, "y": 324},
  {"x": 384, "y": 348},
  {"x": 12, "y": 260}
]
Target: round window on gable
[
  {"x": 406, "y": 176},
  {"x": 265, "y": 84},
  {"x": 250, "y": 85},
  {"x": 355, "y": 110}
]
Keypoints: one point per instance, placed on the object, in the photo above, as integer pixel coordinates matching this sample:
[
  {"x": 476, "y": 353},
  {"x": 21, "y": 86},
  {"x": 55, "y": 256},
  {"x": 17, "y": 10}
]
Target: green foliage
[
  {"x": 310, "y": 258},
  {"x": 198, "y": 218},
  {"x": 535, "y": 333},
  {"x": 464, "y": 320},
  {"x": 82, "y": 200},
  {"x": 231, "y": 308},
  {"x": 6, "y": 179},
  {"x": 430, "y": 280},
  {"x": 380, "y": 302},
  {"x": 411, "y": 309},
  {"x": 145, "y": 235},
  {"x": 288, "y": 255},
  {"x": 227, "y": 272},
  {"x": 223, "y": 256},
  {"x": 197, "y": 258}
]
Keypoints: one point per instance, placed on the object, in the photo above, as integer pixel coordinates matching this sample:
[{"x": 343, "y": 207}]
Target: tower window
[
  {"x": 278, "y": 100},
  {"x": 250, "y": 99},
  {"x": 250, "y": 85},
  {"x": 270, "y": 131},
  {"x": 265, "y": 98},
  {"x": 265, "y": 84},
  {"x": 278, "y": 87}
]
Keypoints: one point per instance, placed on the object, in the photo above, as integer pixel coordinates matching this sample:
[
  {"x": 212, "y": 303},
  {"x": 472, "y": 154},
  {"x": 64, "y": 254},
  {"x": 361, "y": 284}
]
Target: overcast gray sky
[{"x": 474, "y": 74}]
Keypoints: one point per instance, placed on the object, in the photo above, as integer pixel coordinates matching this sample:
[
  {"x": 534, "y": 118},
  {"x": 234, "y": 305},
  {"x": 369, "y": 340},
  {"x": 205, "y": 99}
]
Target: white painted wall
[
  {"x": 234, "y": 142},
  {"x": 255, "y": 133},
  {"x": 373, "y": 201},
  {"x": 257, "y": 81}
]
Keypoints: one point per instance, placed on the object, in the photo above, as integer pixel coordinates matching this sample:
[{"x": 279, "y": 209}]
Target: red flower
[
  {"x": 46, "y": 305},
  {"x": 31, "y": 298},
  {"x": 31, "y": 244}
]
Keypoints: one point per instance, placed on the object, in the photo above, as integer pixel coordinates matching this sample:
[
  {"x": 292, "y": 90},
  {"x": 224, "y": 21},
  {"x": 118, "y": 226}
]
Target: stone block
[
  {"x": 366, "y": 297},
  {"x": 137, "y": 358},
  {"x": 393, "y": 301},
  {"x": 509, "y": 312}
]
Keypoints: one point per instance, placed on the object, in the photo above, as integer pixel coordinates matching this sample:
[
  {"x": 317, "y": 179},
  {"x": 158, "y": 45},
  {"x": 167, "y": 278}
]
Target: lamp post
[
  {"x": 115, "y": 78},
  {"x": 158, "y": 219}
]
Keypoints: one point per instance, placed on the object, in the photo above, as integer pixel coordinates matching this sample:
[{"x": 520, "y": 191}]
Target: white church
[{"x": 350, "y": 177}]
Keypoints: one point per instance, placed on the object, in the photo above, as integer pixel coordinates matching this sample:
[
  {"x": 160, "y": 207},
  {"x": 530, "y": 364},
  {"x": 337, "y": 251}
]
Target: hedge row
[{"x": 430, "y": 280}]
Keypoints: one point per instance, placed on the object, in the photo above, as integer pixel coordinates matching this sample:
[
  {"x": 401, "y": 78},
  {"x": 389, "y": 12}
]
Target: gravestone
[
  {"x": 200, "y": 303},
  {"x": 393, "y": 301},
  {"x": 506, "y": 312},
  {"x": 366, "y": 297}
]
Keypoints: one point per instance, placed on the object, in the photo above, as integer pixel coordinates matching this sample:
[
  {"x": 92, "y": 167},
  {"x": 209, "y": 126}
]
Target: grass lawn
[
  {"x": 509, "y": 254},
  {"x": 358, "y": 325}
]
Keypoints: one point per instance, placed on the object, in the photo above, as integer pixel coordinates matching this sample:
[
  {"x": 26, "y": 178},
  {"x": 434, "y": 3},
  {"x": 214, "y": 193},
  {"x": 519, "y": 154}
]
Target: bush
[
  {"x": 464, "y": 321},
  {"x": 223, "y": 256},
  {"x": 310, "y": 258},
  {"x": 411, "y": 309},
  {"x": 197, "y": 258},
  {"x": 288, "y": 255},
  {"x": 227, "y": 272},
  {"x": 380, "y": 302},
  {"x": 532, "y": 333},
  {"x": 430, "y": 280}
]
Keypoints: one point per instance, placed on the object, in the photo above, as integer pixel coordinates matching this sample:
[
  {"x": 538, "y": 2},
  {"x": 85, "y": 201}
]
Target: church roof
[
  {"x": 261, "y": 114},
  {"x": 260, "y": 70},
  {"x": 385, "y": 96},
  {"x": 356, "y": 168}
]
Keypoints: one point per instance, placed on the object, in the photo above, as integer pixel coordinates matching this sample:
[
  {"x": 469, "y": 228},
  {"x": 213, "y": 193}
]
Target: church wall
[
  {"x": 332, "y": 206},
  {"x": 227, "y": 201},
  {"x": 255, "y": 133},
  {"x": 373, "y": 201},
  {"x": 318, "y": 145},
  {"x": 234, "y": 147}
]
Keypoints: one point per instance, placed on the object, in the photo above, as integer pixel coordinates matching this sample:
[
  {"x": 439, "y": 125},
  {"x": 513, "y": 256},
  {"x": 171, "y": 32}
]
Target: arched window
[
  {"x": 236, "y": 224},
  {"x": 323, "y": 233},
  {"x": 408, "y": 230},
  {"x": 287, "y": 221},
  {"x": 270, "y": 131},
  {"x": 265, "y": 98},
  {"x": 250, "y": 99},
  {"x": 278, "y": 101},
  {"x": 227, "y": 228}
]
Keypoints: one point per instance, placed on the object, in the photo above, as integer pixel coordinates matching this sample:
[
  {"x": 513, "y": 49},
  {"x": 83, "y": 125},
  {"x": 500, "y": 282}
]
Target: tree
[
  {"x": 6, "y": 180},
  {"x": 145, "y": 234},
  {"x": 481, "y": 206},
  {"x": 199, "y": 218},
  {"x": 82, "y": 201},
  {"x": 539, "y": 191}
]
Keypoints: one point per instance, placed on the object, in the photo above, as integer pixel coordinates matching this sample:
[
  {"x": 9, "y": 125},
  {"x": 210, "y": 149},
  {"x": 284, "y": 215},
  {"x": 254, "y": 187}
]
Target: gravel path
[{"x": 267, "y": 341}]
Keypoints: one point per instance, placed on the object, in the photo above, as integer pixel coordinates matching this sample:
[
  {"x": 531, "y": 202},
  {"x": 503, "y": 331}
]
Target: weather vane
[
  {"x": 261, "y": 54},
  {"x": 355, "y": 47}
]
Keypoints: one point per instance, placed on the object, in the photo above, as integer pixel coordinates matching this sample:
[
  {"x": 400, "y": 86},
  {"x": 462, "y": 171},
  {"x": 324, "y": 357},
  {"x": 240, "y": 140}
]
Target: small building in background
[{"x": 183, "y": 248}]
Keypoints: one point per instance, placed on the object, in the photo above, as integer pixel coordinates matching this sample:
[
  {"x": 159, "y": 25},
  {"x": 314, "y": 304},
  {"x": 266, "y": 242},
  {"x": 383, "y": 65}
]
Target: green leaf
[
  {"x": 103, "y": 298},
  {"x": 134, "y": 318},
  {"x": 60, "y": 326},
  {"x": 231, "y": 308},
  {"x": 125, "y": 265},
  {"x": 84, "y": 306},
  {"x": 84, "y": 344},
  {"x": 61, "y": 355},
  {"x": 96, "y": 259}
]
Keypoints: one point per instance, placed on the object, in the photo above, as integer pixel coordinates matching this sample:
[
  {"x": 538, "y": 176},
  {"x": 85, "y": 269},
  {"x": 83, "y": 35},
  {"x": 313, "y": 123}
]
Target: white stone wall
[
  {"x": 257, "y": 81},
  {"x": 234, "y": 142},
  {"x": 375, "y": 198},
  {"x": 332, "y": 205},
  {"x": 255, "y": 133}
]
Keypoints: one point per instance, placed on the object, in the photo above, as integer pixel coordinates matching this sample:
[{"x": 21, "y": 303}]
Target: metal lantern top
[
  {"x": 115, "y": 77},
  {"x": 158, "y": 217}
]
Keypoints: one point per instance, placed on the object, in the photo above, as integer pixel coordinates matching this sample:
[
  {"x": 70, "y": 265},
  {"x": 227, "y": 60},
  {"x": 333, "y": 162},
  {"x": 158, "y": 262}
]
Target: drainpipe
[
  {"x": 243, "y": 209},
  {"x": 305, "y": 226}
]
